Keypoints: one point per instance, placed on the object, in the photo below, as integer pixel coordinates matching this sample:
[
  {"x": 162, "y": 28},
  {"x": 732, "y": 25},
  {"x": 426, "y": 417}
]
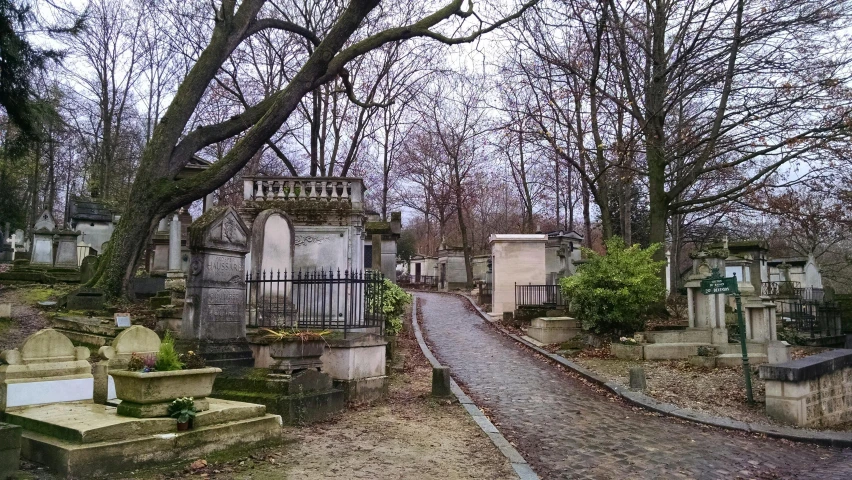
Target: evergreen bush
[
  {"x": 393, "y": 306},
  {"x": 612, "y": 294}
]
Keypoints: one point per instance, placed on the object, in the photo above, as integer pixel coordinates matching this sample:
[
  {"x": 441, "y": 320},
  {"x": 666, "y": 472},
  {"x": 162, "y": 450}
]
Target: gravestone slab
[
  {"x": 66, "y": 249},
  {"x": 88, "y": 268},
  {"x": 85, "y": 299},
  {"x": 215, "y": 308},
  {"x": 42, "y": 249}
]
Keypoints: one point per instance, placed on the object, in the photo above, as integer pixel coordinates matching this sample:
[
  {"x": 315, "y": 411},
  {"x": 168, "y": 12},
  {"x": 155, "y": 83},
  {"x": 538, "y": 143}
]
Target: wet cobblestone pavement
[{"x": 568, "y": 429}]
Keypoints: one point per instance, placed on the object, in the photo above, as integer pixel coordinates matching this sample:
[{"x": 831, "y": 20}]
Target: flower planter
[
  {"x": 627, "y": 352},
  {"x": 148, "y": 394},
  {"x": 183, "y": 426},
  {"x": 294, "y": 355}
]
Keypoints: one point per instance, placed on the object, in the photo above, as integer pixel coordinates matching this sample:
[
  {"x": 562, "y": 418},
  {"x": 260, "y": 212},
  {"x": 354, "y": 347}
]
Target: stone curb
[
  {"x": 521, "y": 467},
  {"x": 828, "y": 439}
]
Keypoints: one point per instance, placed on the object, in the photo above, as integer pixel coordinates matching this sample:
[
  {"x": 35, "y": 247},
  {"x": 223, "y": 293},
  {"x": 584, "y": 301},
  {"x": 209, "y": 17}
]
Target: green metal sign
[
  {"x": 717, "y": 284},
  {"x": 724, "y": 285}
]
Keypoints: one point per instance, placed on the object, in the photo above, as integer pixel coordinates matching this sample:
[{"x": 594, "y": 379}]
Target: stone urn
[
  {"x": 295, "y": 354},
  {"x": 148, "y": 394}
]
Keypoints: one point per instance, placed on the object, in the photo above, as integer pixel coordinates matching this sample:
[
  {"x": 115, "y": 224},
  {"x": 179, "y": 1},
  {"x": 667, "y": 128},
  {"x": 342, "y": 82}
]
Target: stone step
[
  {"x": 692, "y": 335},
  {"x": 734, "y": 348},
  {"x": 671, "y": 351},
  {"x": 736, "y": 359}
]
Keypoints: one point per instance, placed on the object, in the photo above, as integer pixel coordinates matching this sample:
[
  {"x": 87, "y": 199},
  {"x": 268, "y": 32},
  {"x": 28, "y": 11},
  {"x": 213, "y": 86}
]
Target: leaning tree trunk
[{"x": 134, "y": 229}]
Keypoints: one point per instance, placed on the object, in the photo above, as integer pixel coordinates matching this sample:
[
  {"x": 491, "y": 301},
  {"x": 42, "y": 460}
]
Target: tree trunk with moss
[{"x": 157, "y": 191}]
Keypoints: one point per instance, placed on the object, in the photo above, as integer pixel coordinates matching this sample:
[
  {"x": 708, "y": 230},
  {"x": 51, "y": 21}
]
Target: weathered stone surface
[
  {"x": 66, "y": 250},
  {"x": 702, "y": 361},
  {"x": 355, "y": 358},
  {"x": 215, "y": 307},
  {"x": 10, "y": 449},
  {"x": 46, "y": 369},
  {"x": 441, "y": 382},
  {"x": 103, "y": 444},
  {"x": 136, "y": 339},
  {"x": 155, "y": 410},
  {"x": 517, "y": 259},
  {"x": 808, "y": 368},
  {"x": 637, "y": 379},
  {"x": 156, "y": 387},
  {"x": 86, "y": 299},
  {"x": 627, "y": 352},
  {"x": 5, "y": 310},
  {"x": 88, "y": 268}
]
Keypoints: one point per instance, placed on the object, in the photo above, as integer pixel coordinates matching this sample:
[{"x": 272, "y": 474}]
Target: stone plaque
[{"x": 122, "y": 320}]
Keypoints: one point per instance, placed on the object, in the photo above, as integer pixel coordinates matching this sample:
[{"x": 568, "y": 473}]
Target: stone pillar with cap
[{"x": 175, "y": 278}]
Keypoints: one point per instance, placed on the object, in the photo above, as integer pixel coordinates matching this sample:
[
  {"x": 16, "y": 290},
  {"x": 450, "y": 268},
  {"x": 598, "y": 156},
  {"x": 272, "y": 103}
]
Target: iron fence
[
  {"x": 539, "y": 296},
  {"x": 316, "y": 300},
  {"x": 811, "y": 318},
  {"x": 779, "y": 289}
]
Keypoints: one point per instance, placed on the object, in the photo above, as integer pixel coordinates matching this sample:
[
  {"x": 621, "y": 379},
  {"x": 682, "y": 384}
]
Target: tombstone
[
  {"x": 84, "y": 299},
  {"x": 136, "y": 339},
  {"x": 88, "y": 268},
  {"x": 42, "y": 249},
  {"x": 66, "y": 249},
  {"x": 47, "y": 368},
  {"x": 272, "y": 243},
  {"x": 214, "y": 314}
]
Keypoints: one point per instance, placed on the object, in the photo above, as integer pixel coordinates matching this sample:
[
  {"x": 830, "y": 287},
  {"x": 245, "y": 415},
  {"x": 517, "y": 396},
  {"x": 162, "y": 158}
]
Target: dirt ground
[
  {"x": 719, "y": 391},
  {"x": 27, "y": 318},
  {"x": 409, "y": 435}
]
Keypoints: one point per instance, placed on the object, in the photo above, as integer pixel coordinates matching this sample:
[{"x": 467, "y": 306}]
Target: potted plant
[
  {"x": 295, "y": 349},
  {"x": 163, "y": 378},
  {"x": 183, "y": 410}
]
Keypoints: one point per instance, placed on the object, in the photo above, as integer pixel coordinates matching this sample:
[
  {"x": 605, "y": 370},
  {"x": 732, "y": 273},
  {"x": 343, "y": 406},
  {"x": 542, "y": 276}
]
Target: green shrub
[
  {"x": 168, "y": 358},
  {"x": 393, "y": 306},
  {"x": 613, "y": 293}
]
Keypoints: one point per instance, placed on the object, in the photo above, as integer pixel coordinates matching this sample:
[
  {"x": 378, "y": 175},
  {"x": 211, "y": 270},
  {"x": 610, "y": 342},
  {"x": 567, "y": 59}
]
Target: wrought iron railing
[
  {"x": 424, "y": 281},
  {"x": 779, "y": 289},
  {"x": 810, "y": 318},
  {"x": 539, "y": 296},
  {"x": 344, "y": 301}
]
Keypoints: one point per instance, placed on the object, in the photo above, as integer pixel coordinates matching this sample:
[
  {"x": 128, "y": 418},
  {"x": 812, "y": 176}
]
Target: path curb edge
[{"x": 519, "y": 464}]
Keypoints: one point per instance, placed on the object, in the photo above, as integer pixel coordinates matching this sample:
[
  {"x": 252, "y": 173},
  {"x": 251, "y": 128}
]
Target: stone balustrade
[
  {"x": 811, "y": 391},
  {"x": 328, "y": 189}
]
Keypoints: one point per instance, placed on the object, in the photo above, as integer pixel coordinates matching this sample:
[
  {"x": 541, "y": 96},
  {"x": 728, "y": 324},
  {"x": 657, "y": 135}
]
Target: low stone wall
[{"x": 812, "y": 391}]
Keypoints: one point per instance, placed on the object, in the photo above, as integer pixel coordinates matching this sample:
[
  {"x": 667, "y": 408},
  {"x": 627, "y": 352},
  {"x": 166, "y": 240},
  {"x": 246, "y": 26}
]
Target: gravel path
[{"x": 569, "y": 429}]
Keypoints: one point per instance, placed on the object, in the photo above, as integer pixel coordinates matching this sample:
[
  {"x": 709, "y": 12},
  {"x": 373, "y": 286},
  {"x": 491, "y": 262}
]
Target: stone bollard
[
  {"x": 5, "y": 310},
  {"x": 101, "y": 373},
  {"x": 637, "y": 379},
  {"x": 441, "y": 382}
]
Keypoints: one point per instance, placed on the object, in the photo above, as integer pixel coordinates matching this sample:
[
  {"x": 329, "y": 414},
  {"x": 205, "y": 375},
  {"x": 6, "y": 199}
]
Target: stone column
[{"x": 174, "y": 244}]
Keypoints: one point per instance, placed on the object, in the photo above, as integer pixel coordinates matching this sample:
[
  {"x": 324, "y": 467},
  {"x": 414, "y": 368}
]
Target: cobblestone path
[{"x": 567, "y": 429}]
